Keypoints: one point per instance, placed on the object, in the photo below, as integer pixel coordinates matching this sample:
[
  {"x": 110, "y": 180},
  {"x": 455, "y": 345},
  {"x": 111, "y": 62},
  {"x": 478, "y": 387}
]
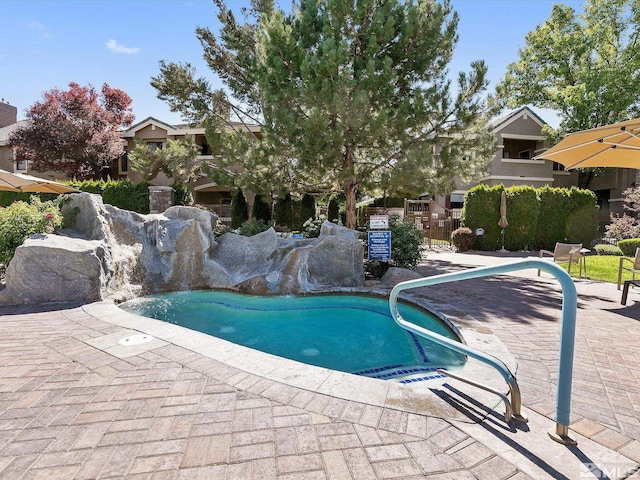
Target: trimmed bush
[
  {"x": 7, "y": 198},
  {"x": 333, "y": 210},
  {"x": 307, "y": 209},
  {"x": 284, "y": 211},
  {"x": 522, "y": 214},
  {"x": 606, "y": 249},
  {"x": 20, "y": 220},
  {"x": 261, "y": 209},
  {"x": 582, "y": 221},
  {"x": 482, "y": 210},
  {"x": 463, "y": 239},
  {"x": 127, "y": 195},
  {"x": 552, "y": 217},
  {"x": 536, "y": 218},
  {"x": 119, "y": 193},
  {"x": 239, "y": 209},
  {"x": 628, "y": 246}
]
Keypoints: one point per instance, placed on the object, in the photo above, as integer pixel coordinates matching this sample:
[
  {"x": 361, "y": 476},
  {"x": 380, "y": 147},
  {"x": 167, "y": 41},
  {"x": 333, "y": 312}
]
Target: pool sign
[
  {"x": 378, "y": 222},
  {"x": 379, "y": 245}
]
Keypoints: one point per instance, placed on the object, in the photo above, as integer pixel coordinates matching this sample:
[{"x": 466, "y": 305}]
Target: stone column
[{"x": 160, "y": 198}]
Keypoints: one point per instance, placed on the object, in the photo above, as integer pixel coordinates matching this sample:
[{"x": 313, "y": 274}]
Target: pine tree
[{"x": 345, "y": 92}]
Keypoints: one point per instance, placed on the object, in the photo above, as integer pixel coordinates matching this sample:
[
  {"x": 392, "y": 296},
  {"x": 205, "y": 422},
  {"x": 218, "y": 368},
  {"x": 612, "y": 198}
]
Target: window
[
  {"x": 558, "y": 167},
  {"x": 525, "y": 154},
  {"x": 21, "y": 165},
  {"x": 124, "y": 163},
  {"x": 155, "y": 145}
]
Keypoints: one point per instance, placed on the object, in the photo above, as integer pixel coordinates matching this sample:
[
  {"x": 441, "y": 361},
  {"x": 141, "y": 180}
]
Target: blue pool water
[{"x": 350, "y": 333}]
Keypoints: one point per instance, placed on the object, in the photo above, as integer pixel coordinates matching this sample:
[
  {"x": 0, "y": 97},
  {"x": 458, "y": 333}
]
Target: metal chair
[
  {"x": 564, "y": 252},
  {"x": 633, "y": 268}
]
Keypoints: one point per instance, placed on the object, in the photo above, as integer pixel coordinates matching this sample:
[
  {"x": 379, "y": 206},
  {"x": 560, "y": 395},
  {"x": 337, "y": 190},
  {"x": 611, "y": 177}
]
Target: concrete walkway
[{"x": 75, "y": 403}]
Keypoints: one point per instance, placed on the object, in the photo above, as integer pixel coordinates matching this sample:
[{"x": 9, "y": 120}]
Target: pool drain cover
[{"x": 136, "y": 340}]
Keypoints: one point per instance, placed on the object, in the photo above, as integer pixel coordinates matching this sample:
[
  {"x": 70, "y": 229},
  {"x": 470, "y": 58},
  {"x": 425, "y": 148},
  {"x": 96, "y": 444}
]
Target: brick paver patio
[{"x": 71, "y": 408}]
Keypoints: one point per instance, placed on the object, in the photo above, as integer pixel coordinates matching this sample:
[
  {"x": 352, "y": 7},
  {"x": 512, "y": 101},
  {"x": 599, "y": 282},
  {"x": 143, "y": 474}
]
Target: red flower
[{"x": 49, "y": 216}]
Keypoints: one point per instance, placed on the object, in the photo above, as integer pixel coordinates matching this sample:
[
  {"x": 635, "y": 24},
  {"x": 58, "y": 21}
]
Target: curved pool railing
[{"x": 567, "y": 334}]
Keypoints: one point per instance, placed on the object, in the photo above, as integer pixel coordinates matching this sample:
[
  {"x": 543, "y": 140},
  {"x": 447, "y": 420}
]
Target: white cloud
[
  {"x": 115, "y": 47},
  {"x": 40, "y": 28}
]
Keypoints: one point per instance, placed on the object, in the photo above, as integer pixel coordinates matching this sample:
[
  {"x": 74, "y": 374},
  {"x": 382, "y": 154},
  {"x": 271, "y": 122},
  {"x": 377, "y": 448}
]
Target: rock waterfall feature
[{"x": 112, "y": 252}]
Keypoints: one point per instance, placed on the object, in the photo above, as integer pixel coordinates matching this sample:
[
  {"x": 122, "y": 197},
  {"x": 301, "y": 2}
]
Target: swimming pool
[{"x": 350, "y": 333}]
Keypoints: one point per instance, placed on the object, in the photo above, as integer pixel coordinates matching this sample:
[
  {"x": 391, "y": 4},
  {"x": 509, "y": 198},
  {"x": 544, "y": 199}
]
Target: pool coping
[{"x": 415, "y": 397}]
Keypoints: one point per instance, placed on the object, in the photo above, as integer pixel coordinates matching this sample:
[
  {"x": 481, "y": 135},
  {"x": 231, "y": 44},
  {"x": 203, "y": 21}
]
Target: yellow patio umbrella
[
  {"x": 615, "y": 145},
  {"x": 503, "y": 223},
  {"x": 18, "y": 182}
]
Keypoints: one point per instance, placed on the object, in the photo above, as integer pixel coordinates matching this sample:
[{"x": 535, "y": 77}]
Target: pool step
[{"x": 402, "y": 373}]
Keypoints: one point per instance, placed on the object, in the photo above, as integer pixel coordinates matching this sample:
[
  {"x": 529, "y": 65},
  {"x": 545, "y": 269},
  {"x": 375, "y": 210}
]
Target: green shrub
[
  {"x": 239, "y": 209},
  {"x": 127, "y": 195},
  {"x": 89, "y": 186},
  {"x": 463, "y": 239},
  {"x": 7, "y": 198},
  {"x": 606, "y": 249},
  {"x": 628, "y": 246},
  {"x": 284, "y": 211},
  {"x": 536, "y": 218},
  {"x": 307, "y": 209},
  {"x": 261, "y": 209},
  {"x": 582, "y": 218},
  {"x": 253, "y": 227},
  {"x": 181, "y": 194},
  {"x": 552, "y": 217},
  {"x": 333, "y": 210},
  {"x": 20, "y": 220},
  {"x": 522, "y": 214},
  {"x": 482, "y": 210},
  {"x": 123, "y": 194},
  {"x": 406, "y": 243}
]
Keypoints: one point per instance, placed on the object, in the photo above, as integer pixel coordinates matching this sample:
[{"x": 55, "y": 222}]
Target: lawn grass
[{"x": 603, "y": 268}]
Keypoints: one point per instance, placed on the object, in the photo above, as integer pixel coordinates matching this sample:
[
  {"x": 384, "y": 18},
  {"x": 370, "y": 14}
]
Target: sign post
[
  {"x": 379, "y": 245},
  {"x": 379, "y": 239}
]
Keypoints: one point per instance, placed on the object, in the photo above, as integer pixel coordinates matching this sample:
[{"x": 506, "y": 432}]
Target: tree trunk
[{"x": 350, "y": 205}]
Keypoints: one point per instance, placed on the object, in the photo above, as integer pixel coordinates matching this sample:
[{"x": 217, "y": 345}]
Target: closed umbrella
[
  {"x": 18, "y": 182},
  {"x": 615, "y": 145},
  {"x": 503, "y": 223}
]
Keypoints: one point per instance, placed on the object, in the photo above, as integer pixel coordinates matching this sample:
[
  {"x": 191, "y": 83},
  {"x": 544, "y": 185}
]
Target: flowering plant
[{"x": 20, "y": 220}]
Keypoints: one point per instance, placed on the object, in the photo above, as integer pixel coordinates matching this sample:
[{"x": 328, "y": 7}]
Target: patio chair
[
  {"x": 564, "y": 252},
  {"x": 633, "y": 268}
]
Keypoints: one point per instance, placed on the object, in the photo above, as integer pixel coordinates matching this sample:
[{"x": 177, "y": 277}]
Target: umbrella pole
[{"x": 503, "y": 249}]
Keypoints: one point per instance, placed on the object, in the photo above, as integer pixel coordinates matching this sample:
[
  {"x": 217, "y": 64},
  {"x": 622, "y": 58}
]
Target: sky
[{"x": 49, "y": 43}]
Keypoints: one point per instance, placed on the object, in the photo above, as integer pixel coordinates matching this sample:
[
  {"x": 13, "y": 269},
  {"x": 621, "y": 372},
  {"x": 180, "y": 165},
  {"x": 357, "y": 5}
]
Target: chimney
[{"x": 8, "y": 114}]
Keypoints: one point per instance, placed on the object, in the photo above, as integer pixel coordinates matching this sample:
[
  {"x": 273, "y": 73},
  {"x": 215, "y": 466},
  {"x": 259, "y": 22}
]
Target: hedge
[
  {"x": 481, "y": 204},
  {"x": 119, "y": 193},
  {"x": 582, "y": 221},
  {"x": 552, "y": 217},
  {"x": 537, "y": 218},
  {"x": 522, "y": 214},
  {"x": 628, "y": 246}
]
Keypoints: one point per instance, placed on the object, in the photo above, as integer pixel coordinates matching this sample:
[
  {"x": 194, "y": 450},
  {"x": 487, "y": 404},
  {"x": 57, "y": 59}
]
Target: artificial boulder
[
  {"x": 114, "y": 252},
  {"x": 52, "y": 268}
]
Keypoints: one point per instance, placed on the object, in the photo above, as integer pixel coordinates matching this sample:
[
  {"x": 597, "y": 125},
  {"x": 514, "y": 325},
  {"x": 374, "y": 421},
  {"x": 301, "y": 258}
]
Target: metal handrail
[
  {"x": 567, "y": 335},
  {"x": 508, "y": 410}
]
